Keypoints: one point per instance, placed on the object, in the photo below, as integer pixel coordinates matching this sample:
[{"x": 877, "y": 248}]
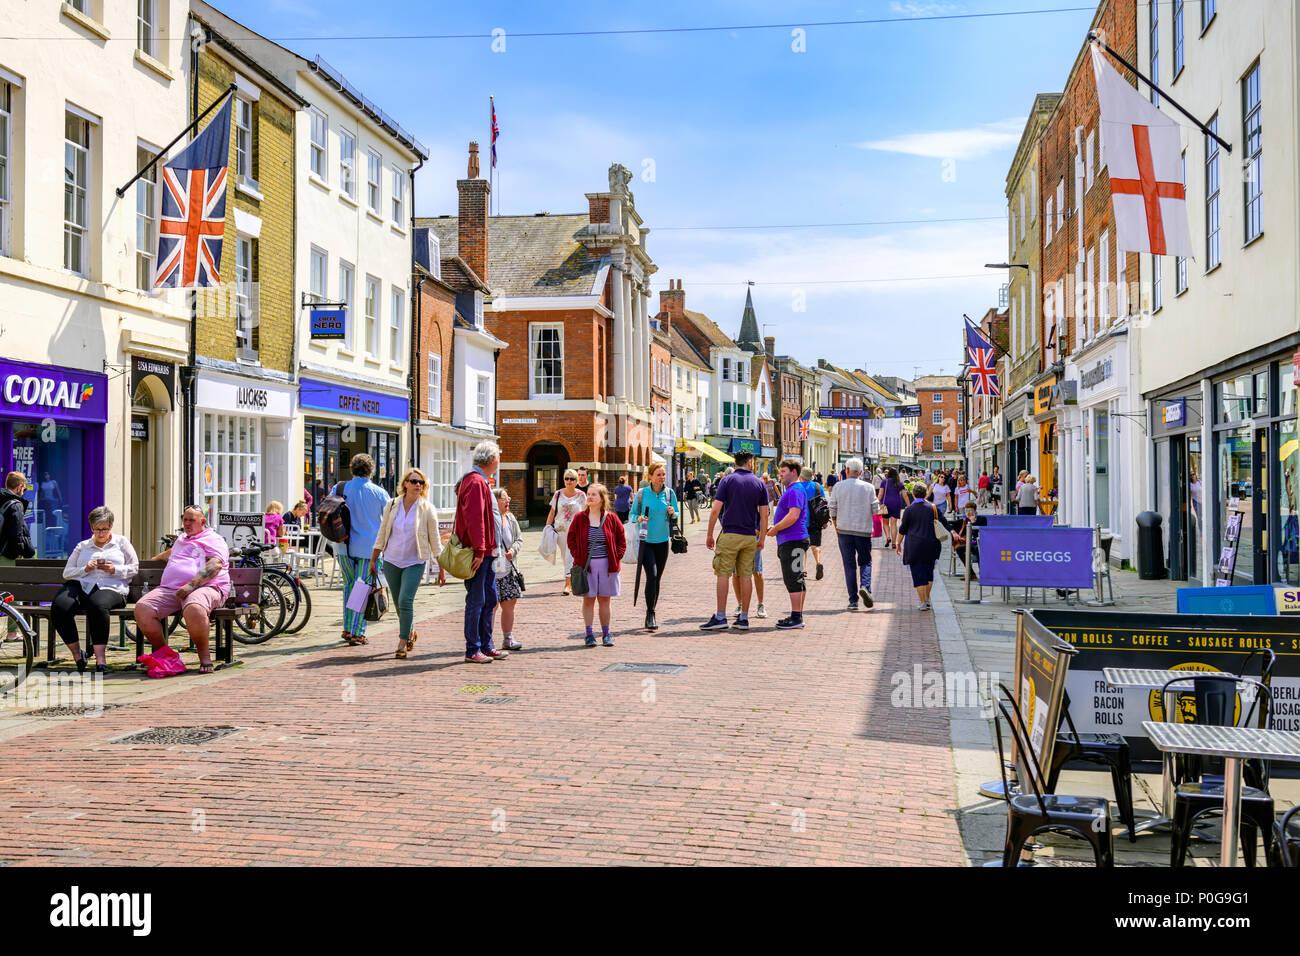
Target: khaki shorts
[
  {"x": 164, "y": 602},
  {"x": 734, "y": 554}
]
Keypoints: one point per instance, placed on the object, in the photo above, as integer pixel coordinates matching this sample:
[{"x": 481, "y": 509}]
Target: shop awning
[{"x": 713, "y": 454}]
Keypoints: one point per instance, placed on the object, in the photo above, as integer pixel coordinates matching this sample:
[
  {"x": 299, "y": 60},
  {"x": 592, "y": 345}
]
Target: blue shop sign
[
  {"x": 744, "y": 444},
  {"x": 329, "y": 323},
  {"x": 352, "y": 401}
]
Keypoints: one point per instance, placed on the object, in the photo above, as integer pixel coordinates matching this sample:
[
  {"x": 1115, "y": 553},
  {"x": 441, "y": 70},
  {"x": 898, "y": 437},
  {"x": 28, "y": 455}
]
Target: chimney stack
[
  {"x": 673, "y": 300},
  {"x": 472, "y": 221},
  {"x": 769, "y": 346},
  {"x": 597, "y": 208}
]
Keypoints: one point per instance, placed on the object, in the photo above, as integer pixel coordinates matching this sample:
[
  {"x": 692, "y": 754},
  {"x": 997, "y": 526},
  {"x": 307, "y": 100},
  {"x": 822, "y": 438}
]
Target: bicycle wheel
[
  {"x": 304, "y": 609},
  {"x": 17, "y": 648},
  {"x": 289, "y": 589},
  {"x": 265, "y": 621}
]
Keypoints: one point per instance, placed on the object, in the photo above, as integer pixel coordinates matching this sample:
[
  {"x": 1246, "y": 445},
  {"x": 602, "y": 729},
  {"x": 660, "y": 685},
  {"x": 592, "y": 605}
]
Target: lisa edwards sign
[{"x": 1036, "y": 557}]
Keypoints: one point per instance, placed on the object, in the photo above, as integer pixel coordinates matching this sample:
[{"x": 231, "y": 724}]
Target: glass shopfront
[
  {"x": 52, "y": 430},
  {"x": 328, "y": 450}
]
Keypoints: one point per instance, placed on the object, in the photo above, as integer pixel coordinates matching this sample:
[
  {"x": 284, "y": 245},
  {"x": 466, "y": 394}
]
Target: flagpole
[
  {"x": 121, "y": 190},
  {"x": 1096, "y": 38},
  {"x": 492, "y": 152}
]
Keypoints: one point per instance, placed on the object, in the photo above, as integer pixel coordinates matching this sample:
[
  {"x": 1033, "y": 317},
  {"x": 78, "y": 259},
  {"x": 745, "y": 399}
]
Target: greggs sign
[{"x": 44, "y": 391}]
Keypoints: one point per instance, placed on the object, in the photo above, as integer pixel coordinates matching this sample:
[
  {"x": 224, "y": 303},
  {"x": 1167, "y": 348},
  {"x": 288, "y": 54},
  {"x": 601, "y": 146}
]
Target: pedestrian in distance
[
  {"x": 811, "y": 486},
  {"x": 408, "y": 539},
  {"x": 964, "y": 538},
  {"x": 893, "y": 495},
  {"x": 583, "y": 481},
  {"x": 919, "y": 547},
  {"x": 655, "y": 509},
  {"x": 477, "y": 520},
  {"x": 300, "y": 516},
  {"x": 565, "y": 506},
  {"x": 995, "y": 488},
  {"x": 366, "y": 503},
  {"x": 97, "y": 576},
  {"x": 623, "y": 498},
  {"x": 196, "y": 581},
  {"x": 852, "y": 510},
  {"x": 791, "y": 532},
  {"x": 939, "y": 494},
  {"x": 272, "y": 522},
  {"x": 15, "y": 537},
  {"x": 692, "y": 494},
  {"x": 982, "y": 488},
  {"x": 1027, "y": 498},
  {"x": 963, "y": 492},
  {"x": 509, "y": 578},
  {"x": 741, "y": 504},
  {"x": 598, "y": 543}
]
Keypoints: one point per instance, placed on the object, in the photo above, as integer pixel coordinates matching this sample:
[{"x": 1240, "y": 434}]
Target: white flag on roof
[{"x": 1144, "y": 156}]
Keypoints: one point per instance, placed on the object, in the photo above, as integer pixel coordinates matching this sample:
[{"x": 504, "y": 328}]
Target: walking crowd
[{"x": 589, "y": 528}]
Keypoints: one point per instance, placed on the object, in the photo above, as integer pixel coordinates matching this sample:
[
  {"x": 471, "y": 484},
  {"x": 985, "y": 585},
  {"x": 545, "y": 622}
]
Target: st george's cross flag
[
  {"x": 983, "y": 365},
  {"x": 1144, "y": 157},
  {"x": 193, "y": 219}
]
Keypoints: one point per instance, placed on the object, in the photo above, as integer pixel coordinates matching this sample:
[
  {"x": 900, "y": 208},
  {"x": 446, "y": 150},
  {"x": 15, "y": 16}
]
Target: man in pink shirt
[{"x": 195, "y": 582}]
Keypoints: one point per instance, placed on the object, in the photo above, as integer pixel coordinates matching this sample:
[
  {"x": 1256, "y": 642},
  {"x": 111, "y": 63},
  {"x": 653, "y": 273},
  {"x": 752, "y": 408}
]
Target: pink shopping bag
[{"x": 877, "y": 527}]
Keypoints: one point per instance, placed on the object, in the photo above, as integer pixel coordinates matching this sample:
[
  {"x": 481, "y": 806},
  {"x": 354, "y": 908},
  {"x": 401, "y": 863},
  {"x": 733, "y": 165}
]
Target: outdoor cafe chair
[
  {"x": 1112, "y": 750},
  {"x": 1215, "y": 699},
  {"x": 1286, "y": 842},
  {"x": 1035, "y": 811}
]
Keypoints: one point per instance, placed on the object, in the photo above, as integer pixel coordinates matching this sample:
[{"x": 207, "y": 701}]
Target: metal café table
[
  {"x": 1150, "y": 678},
  {"x": 1233, "y": 744}
]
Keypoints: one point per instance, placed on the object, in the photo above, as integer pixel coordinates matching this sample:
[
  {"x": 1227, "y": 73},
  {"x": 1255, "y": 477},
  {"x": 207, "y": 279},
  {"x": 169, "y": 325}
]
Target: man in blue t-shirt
[
  {"x": 791, "y": 535},
  {"x": 811, "y": 489},
  {"x": 741, "y": 502}
]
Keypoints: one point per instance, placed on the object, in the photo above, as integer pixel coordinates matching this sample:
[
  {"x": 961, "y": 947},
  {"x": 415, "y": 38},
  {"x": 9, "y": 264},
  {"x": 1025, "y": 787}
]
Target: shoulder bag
[
  {"x": 377, "y": 603},
  {"x": 677, "y": 542},
  {"x": 940, "y": 529},
  {"x": 578, "y": 576}
]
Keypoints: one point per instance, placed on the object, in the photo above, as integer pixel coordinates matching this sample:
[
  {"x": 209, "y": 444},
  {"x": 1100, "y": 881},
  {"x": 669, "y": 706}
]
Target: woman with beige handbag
[
  {"x": 566, "y": 504},
  {"x": 920, "y": 542},
  {"x": 408, "y": 538}
]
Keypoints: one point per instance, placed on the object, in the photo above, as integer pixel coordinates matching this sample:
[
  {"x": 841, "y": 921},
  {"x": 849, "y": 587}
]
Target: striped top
[{"x": 596, "y": 542}]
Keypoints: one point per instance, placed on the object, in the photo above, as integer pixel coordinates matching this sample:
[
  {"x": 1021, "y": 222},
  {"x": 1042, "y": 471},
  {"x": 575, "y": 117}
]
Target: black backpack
[
  {"x": 819, "y": 512},
  {"x": 333, "y": 516}
]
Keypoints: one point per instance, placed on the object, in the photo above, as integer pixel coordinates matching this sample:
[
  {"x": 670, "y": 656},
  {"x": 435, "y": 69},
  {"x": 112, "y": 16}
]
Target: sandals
[
  {"x": 354, "y": 639},
  {"x": 401, "y": 651},
  {"x": 205, "y": 668}
]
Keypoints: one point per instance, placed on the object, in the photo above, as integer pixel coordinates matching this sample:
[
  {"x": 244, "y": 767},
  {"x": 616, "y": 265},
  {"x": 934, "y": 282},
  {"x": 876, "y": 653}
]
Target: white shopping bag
[
  {"x": 549, "y": 545},
  {"x": 358, "y": 596}
]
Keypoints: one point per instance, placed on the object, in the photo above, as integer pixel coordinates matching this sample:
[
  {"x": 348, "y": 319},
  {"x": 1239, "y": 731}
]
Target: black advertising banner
[
  {"x": 1190, "y": 642},
  {"x": 165, "y": 372},
  {"x": 1042, "y": 663}
]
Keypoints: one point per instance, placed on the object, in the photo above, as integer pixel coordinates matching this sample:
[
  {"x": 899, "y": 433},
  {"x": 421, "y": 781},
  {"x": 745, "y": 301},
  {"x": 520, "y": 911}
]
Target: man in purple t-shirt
[
  {"x": 741, "y": 503},
  {"x": 791, "y": 542}
]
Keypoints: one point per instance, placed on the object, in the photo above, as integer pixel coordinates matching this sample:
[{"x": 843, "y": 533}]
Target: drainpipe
[{"x": 413, "y": 377}]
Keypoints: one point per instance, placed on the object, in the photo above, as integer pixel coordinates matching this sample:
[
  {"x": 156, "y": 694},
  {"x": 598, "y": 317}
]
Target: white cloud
[{"x": 970, "y": 143}]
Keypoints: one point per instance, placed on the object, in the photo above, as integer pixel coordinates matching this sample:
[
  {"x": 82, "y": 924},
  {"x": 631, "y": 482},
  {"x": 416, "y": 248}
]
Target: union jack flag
[
  {"x": 805, "y": 425},
  {"x": 496, "y": 130},
  {"x": 192, "y": 223},
  {"x": 983, "y": 366}
]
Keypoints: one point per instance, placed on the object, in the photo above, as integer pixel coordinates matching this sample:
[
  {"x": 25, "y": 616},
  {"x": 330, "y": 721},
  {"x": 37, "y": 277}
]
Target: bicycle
[
  {"x": 17, "y": 645},
  {"x": 292, "y": 596}
]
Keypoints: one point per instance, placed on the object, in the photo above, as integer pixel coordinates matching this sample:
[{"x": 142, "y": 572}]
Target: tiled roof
[
  {"x": 875, "y": 386},
  {"x": 530, "y": 255},
  {"x": 710, "y": 330},
  {"x": 683, "y": 350}
]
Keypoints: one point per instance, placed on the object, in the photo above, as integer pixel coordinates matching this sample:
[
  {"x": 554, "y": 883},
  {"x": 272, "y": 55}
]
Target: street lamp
[{"x": 1006, "y": 265}]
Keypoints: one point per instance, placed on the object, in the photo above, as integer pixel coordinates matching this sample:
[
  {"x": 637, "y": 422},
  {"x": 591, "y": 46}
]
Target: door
[
  {"x": 144, "y": 493},
  {"x": 1176, "y": 518},
  {"x": 1194, "y": 508},
  {"x": 1258, "y": 507}
]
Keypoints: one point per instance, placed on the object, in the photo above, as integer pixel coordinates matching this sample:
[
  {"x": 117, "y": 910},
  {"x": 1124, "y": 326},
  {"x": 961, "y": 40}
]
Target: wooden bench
[{"x": 35, "y": 583}]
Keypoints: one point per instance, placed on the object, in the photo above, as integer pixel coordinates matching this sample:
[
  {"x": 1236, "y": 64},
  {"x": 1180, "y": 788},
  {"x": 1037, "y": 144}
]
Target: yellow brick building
[{"x": 245, "y": 391}]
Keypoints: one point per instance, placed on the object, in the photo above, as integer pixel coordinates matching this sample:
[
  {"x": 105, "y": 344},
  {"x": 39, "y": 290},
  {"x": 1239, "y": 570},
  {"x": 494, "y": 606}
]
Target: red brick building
[
  {"x": 661, "y": 392},
  {"x": 569, "y": 293},
  {"x": 941, "y": 423}
]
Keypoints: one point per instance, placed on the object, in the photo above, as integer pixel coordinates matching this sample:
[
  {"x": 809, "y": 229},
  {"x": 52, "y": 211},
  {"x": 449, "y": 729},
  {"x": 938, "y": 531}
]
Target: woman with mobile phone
[{"x": 98, "y": 573}]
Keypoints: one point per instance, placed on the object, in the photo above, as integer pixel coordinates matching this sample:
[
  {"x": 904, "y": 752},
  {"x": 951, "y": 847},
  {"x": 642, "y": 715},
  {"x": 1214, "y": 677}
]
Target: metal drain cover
[
  {"x": 495, "y": 700},
  {"x": 168, "y": 736},
  {"x": 69, "y": 711},
  {"x": 646, "y": 668}
]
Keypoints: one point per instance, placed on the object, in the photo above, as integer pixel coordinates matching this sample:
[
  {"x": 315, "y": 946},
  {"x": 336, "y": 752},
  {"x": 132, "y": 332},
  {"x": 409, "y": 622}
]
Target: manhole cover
[
  {"x": 184, "y": 736},
  {"x": 69, "y": 711},
  {"x": 495, "y": 700},
  {"x": 647, "y": 668}
]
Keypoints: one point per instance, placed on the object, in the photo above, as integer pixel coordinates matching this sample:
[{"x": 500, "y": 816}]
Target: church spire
[{"x": 749, "y": 339}]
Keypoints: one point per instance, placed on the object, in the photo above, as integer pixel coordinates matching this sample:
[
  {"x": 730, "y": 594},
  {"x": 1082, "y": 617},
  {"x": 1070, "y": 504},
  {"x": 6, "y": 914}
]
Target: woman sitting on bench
[{"x": 98, "y": 573}]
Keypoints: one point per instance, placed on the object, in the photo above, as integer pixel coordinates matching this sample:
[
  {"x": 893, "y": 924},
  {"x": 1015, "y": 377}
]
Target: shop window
[
  {"x": 53, "y": 469},
  {"x": 1287, "y": 558},
  {"x": 1234, "y": 481},
  {"x": 1234, "y": 400},
  {"x": 382, "y": 447},
  {"x": 231, "y": 466}
]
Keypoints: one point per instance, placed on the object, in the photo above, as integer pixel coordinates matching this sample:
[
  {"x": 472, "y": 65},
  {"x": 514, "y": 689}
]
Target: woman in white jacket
[
  {"x": 408, "y": 537},
  {"x": 98, "y": 573}
]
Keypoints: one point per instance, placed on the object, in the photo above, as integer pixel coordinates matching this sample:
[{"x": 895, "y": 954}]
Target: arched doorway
[
  {"x": 546, "y": 464},
  {"x": 148, "y": 406}
]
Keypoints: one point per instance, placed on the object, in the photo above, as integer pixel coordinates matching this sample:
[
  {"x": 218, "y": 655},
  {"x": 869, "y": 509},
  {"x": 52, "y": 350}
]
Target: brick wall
[
  {"x": 1078, "y": 107},
  {"x": 472, "y": 237},
  {"x": 949, "y": 405},
  {"x": 437, "y": 313},
  {"x": 273, "y": 168}
]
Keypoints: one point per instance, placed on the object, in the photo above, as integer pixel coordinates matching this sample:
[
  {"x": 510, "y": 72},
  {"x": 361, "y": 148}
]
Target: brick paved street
[{"x": 769, "y": 747}]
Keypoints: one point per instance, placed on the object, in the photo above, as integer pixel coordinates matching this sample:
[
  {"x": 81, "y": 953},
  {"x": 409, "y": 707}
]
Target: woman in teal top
[{"x": 654, "y": 508}]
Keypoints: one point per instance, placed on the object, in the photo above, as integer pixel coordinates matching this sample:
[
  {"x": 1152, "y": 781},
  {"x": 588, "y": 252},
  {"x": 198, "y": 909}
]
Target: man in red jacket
[{"x": 476, "y": 527}]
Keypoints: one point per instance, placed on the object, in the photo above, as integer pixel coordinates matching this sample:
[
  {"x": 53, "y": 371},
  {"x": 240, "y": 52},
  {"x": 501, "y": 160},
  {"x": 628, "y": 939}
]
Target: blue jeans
[
  {"x": 403, "y": 583},
  {"x": 480, "y": 603},
  {"x": 855, "y": 552}
]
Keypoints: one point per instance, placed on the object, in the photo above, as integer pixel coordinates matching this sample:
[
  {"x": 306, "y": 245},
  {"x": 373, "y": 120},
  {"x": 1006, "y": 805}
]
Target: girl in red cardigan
[{"x": 596, "y": 540}]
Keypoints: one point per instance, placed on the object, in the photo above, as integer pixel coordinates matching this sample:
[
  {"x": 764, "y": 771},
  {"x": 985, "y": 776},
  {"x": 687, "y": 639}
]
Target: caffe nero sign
[{"x": 1094, "y": 376}]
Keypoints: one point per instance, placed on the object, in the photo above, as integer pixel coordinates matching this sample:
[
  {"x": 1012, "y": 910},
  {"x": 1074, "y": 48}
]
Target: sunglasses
[
  {"x": 570, "y": 479},
  {"x": 415, "y": 481}
]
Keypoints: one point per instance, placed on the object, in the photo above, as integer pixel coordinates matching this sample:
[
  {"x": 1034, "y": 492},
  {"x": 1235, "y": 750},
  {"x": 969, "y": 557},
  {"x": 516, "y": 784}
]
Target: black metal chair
[
  {"x": 1110, "y": 750},
  {"x": 1216, "y": 705},
  {"x": 1035, "y": 811},
  {"x": 1286, "y": 843}
]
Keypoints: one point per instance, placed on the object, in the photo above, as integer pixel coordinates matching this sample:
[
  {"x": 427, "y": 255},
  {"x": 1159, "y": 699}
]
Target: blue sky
[{"x": 911, "y": 120}]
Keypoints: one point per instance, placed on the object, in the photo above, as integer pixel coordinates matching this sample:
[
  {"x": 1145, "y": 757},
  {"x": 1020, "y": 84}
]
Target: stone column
[
  {"x": 630, "y": 380},
  {"x": 638, "y": 343},
  {"x": 620, "y": 332},
  {"x": 647, "y": 337}
]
